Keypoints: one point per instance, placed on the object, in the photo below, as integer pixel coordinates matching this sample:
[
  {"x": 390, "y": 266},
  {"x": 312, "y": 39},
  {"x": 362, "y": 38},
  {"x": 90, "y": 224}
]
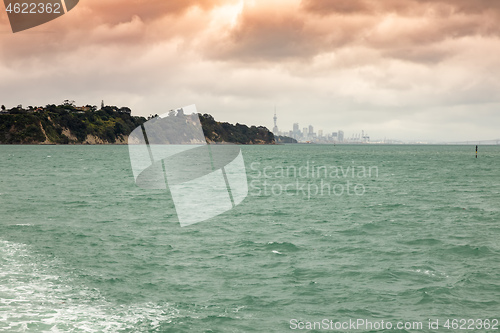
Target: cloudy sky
[{"x": 402, "y": 69}]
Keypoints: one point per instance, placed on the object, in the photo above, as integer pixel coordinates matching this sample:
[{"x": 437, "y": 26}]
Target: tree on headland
[{"x": 3, "y": 107}]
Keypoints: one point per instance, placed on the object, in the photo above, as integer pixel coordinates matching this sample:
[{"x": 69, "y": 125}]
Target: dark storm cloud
[
  {"x": 266, "y": 36},
  {"x": 403, "y": 29}
]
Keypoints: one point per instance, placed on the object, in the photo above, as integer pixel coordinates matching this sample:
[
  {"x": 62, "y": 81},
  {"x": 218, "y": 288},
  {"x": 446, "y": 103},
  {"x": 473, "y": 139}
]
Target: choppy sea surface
[{"x": 335, "y": 233}]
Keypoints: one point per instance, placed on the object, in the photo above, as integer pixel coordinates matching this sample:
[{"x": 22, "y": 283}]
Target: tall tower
[
  {"x": 102, "y": 104},
  {"x": 275, "y": 129}
]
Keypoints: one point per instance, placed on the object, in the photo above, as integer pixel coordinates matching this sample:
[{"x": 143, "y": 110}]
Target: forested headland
[{"x": 69, "y": 124}]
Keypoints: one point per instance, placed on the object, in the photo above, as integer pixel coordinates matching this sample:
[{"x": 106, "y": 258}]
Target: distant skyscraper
[
  {"x": 341, "y": 136},
  {"x": 320, "y": 133},
  {"x": 296, "y": 131},
  {"x": 275, "y": 129},
  {"x": 311, "y": 130}
]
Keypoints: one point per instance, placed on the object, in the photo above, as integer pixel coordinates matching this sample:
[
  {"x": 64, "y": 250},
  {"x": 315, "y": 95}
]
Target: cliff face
[{"x": 67, "y": 125}]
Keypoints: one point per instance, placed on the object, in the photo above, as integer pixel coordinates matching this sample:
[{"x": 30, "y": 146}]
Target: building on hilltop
[{"x": 82, "y": 108}]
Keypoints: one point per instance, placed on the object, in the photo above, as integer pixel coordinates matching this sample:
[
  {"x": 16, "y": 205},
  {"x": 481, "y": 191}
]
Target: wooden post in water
[{"x": 476, "y": 151}]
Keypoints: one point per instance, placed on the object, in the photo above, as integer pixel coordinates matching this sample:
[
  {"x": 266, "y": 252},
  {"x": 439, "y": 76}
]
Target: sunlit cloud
[{"x": 393, "y": 67}]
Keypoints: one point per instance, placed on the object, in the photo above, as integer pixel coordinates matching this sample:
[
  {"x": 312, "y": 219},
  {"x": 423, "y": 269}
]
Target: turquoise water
[{"x": 83, "y": 249}]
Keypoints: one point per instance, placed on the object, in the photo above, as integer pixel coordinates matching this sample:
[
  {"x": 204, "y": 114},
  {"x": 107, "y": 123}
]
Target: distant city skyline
[{"x": 308, "y": 134}]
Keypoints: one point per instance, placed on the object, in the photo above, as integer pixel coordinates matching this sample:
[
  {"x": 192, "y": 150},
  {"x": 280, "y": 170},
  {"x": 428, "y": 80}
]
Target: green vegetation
[
  {"x": 65, "y": 124},
  {"x": 284, "y": 139},
  {"x": 68, "y": 124},
  {"x": 241, "y": 134}
]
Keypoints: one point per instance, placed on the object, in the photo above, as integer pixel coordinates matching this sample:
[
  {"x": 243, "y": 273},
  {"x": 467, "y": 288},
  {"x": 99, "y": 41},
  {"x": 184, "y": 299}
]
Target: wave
[
  {"x": 35, "y": 297},
  {"x": 274, "y": 247},
  {"x": 423, "y": 241},
  {"x": 282, "y": 246}
]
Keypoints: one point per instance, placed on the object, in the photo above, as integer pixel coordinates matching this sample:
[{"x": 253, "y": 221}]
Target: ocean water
[{"x": 336, "y": 233}]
